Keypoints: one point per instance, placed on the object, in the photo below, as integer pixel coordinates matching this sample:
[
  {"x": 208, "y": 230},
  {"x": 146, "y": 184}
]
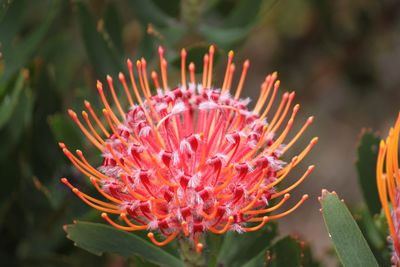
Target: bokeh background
[{"x": 341, "y": 57}]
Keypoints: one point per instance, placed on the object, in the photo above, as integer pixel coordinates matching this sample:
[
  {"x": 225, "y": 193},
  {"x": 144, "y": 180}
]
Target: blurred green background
[{"x": 341, "y": 57}]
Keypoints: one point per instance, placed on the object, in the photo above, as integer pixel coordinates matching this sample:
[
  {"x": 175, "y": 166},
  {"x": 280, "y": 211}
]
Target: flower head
[
  {"x": 192, "y": 158},
  {"x": 388, "y": 180}
]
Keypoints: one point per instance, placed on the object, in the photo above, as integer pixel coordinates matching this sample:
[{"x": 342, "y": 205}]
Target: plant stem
[{"x": 189, "y": 255}]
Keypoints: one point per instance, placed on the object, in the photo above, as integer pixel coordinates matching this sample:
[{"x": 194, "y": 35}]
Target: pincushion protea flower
[
  {"x": 189, "y": 159},
  {"x": 388, "y": 180}
]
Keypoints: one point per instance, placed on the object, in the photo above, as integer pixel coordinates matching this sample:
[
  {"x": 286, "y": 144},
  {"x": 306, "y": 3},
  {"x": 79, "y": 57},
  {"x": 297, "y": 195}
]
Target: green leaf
[
  {"x": 16, "y": 56},
  {"x": 367, "y": 153},
  {"x": 286, "y": 252},
  {"x": 224, "y": 37},
  {"x": 113, "y": 25},
  {"x": 10, "y": 101},
  {"x": 244, "y": 13},
  {"x": 64, "y": 131},
  {"x": 349, "y": 243},
  {"x": 99, "y": 238},
  {"x": 375, "y": 238},
  {"x": 102, "y": 55},
  {"x": 240, "y": 248},
  {"x": 149, "y": 12}
]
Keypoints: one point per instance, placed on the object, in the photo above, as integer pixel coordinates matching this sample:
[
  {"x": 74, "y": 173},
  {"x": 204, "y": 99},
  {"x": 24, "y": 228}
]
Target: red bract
[{"x": 190, "y": 159}]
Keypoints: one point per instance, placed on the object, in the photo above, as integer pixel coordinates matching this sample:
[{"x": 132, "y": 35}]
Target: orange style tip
[
  {"x": 286, "y": 196},
  {"x": 314, "y": 141},
  {"x": 109, "y": 78},
  {"x": 231, "y": 54},
  {"x": 305, "y": 197},
  {"x": 246, "y": 63},
  {"x": 191, "y": 66},
  {"x": 277, "y": 83},
  {"x": 87, "y": 103},
  {"x": 232, "y": 68},
  {"x": 79, "y": 152},
  {"x": 206, "y": 58},
  {"x": 121, "y": 76},
  {"x": 150, "y": 235},
  {"x": 64, "y": 180},
  {"x": 211, "y": 49},
  {"x": 104, "y": 215},
  {"x": 92, "y": 180},
  {"x": 183, "y": 52},
  {"x": 104, "y": 111},
  {"x": 75, "y": 190},
  {"x": 199, "y": 247},
  {"x": 290, "y": 122},
  {"x": 61, "y": 145},
  {"x": 123, "y": 215},
  {"x": 129, "y": 63},
  {"x": 164, "y": 63},
  {"x": 71, "y": 113},
  {"x": 292, "y": 94},
  {"x": 84, "y": 114},
  {"x": 296, "y": 107},
  {"x": 138, "y": 63},
  {"x": 310, "y": 119},
  {"x": 160, "y": 50},
  {"x": 153, "y": 74}
]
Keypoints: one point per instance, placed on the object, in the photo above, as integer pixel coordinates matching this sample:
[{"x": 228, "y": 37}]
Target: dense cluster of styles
[{"x": 189, "y": 159}]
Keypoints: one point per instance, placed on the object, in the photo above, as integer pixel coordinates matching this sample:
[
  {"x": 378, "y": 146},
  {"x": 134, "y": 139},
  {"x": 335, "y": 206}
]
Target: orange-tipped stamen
[
  {"x": 192, "y": 69},
  {"x": 223, "y": 229},
  {"x": 183, "y": 68},
  {"x": 162, "y": 243},
  {"x": 246, "y": 65},
  {"x": 115, "y": 97},
  {"x": 264, "y": 220},
  {"x": 89, "y": 107},
  {"x": 294, "y": 185},
  {"x": 121, "y": 77},
  {"x": 116, "y": 225},
  {"x": 271, "y": 209}
]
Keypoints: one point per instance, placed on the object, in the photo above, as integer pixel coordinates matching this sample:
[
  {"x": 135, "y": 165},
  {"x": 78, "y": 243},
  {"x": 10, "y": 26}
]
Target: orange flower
[
  {"x": 193, "y": 158},
  {"x": 388, "y": 180}
]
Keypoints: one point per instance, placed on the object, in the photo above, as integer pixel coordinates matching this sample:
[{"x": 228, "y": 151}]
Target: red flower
[{"x": 190, "y": 159}]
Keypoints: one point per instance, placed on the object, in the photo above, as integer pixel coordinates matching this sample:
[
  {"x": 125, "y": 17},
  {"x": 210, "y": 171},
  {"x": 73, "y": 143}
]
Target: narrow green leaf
[
  {"x": 367, "y": 154},
  {"x": 286, "y": 252},
  {"x": 10, "y": 101},
  {"x": 349, "y": 243},
  {"x": 375, "y": 238},
  {"x": 240, "y": 248},
  {"x": 64, "y": 131},
  {"x": 244, "y": 13},
  {"x": 17, "y": 55},
  {"x": 149, "y": 12},
  {"x": 103, "y": 56},
  {"x": 99, "y": 238},
  {"x": 113, "y": 25},
  {"x": 224, "y": 37}
]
